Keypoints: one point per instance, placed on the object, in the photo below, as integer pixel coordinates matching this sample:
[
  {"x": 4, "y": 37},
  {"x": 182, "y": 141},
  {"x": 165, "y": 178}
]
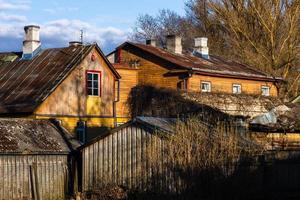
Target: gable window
[
  {"x": 265, "y": 91},
  {"x": 236, "y": 89},
  {"x": 93, "y": 83},
  {"x": 205, "y": 86}
]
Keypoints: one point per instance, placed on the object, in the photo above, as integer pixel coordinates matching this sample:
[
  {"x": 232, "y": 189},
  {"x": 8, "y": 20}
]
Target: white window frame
[
  {"x": 93, "y": 88},
  {"x": 239, "y": 91},
  {"x": 209, "y": 86},
  {"x": 262, "y": 90}
]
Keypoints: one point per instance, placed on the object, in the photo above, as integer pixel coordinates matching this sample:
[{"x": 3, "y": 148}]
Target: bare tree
[
  {"x": 264, "y": 34},
  {"x": 166, "y": 22}
]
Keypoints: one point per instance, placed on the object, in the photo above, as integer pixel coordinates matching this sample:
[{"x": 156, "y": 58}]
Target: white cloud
[
  {"x": 60, "y": 10},
  {"x": 16, "y": 5},
  {"x": 12, "y": 18},
  {"x": 59, "y": 32}
]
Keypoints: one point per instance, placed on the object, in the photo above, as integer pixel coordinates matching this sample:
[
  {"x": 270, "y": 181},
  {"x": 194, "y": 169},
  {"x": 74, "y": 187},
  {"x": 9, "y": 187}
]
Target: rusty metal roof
[
  {"x": 214, "y": 66},
  {"x": 28, "y": 136},
  {"x": 24, "y": 84}
]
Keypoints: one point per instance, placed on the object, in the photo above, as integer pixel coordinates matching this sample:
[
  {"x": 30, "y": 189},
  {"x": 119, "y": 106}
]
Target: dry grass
[{"x": 198, "y": 159}]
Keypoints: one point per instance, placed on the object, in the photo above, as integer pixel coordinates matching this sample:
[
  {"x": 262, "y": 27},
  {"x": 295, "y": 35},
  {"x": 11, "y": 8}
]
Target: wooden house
[
  {"x": 35, "y": 160},
  {"x": 74, "y": 84},
  {"x": 195, "y": 71}
]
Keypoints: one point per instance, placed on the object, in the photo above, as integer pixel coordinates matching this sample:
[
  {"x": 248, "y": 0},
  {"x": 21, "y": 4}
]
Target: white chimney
[
  {"x": 174, "y": 44},
  {"x": 201, "y": 48},
  {"x": 151, "y": 42},
  {"x": 31, "y": 42}
]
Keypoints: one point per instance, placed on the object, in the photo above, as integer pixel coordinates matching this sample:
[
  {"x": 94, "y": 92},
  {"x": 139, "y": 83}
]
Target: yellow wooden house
[
  {"x": 76, "y": 85},
  {"x": 192, "y": 71}
]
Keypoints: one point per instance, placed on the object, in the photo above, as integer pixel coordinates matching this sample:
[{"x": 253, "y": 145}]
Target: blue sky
[{"x": 106, "y": 22}]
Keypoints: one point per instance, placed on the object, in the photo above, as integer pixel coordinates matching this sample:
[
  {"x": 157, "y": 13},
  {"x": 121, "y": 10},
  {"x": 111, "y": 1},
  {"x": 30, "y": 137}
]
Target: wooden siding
[
  {"x": 150, "y": 72},
  {"x": 224, "y": 85},
  {"x": 121, "y": 158},
  {"x": 128, "y": 81},
  {"x": 23, "y": 176},
  {"x": 70, "y": 101}
]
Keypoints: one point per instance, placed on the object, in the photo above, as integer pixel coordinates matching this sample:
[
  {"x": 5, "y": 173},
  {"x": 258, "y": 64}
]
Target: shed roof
[
  {"x": 24, "y": 84},
  {"x": 166, "y": 125},
  {"x": 28, "y": 136},
  {"x": 215, "y": 66},
  {"x": 281, "y": 119}
]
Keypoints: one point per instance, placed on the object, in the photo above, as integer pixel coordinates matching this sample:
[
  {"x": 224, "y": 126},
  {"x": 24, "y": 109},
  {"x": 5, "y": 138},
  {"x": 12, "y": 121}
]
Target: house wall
[
  {"x": 69, "y": 102},
  {"x": 277, "y": 141},
  {"x": 128, "y": 81},
  {"x": 22, "y": 176},
  {"x": 151, "y": 73},
  {"x": 224, "y": 85}
]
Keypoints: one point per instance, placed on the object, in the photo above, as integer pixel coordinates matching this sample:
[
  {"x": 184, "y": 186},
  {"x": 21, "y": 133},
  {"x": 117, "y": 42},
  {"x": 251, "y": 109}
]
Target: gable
[
  {"x": 70, "y": 97},
  {"x": 24, "y": 84}
]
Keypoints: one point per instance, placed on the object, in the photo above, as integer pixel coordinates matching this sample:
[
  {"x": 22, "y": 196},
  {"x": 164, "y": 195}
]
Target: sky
[{"x": 107, "y": 22}]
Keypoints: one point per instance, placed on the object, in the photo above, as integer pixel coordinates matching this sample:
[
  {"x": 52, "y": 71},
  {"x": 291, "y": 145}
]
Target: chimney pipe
[
  {"x": 151, "y": 42},
  {"x": 31, "y": 43},
  {"x": 75, "y": 43},
  {"x": 201, "y": 48},
  {"x": 174, "y": 44}
]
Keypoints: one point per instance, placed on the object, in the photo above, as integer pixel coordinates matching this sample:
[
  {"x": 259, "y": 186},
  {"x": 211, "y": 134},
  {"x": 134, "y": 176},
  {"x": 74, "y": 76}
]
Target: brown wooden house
[
  {"x": 76, "y": 85},
  {"x": 195, "y": 71}
]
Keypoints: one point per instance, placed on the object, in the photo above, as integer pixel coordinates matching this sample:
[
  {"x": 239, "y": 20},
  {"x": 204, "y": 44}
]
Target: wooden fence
[
  {"x": 120, "y": 158},
  {"x": 42, "y": 177}
]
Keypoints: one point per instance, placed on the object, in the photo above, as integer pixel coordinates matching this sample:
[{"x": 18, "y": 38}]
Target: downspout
[{"x": 115, "y": 104}]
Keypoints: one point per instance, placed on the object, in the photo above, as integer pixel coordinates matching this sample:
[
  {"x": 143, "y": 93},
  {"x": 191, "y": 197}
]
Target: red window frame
[{"x": 99, "y": 82}]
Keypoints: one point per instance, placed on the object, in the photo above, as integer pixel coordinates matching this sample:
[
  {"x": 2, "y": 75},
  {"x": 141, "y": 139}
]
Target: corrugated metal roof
[
  {"x": 213, "y": 66},
  {"x": 163, "y": 124},
  {"x": 24, "y": 84},
  {"x": 28, "y": 136}
]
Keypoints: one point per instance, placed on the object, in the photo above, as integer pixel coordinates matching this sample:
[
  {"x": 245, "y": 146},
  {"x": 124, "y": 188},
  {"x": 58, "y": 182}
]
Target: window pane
[
  {"x": 90, "y": 91},
  {"x": 95, "y": 76},
  {"x": 89, "y": 84},
  {"x": 90, "y": 76},
  {"x": 95, "y": 84},
  {"x": 96, "y": 92},
  {"x": 205, "y": 87},
  {"x": 236, "y": 89}
]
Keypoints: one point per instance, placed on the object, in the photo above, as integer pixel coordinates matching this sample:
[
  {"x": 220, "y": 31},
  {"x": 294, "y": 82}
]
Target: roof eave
[{"x": 237, "y": 76}]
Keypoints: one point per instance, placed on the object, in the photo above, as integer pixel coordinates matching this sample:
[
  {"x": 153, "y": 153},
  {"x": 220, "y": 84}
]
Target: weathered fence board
[{"x": 42, "y": 177}]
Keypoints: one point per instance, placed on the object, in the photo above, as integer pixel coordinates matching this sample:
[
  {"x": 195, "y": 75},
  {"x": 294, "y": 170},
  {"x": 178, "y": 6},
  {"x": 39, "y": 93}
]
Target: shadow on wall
[{"x": 147, "y": 100}]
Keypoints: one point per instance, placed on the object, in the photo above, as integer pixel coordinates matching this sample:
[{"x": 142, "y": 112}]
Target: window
[
  {"x": 205, "y": 86},
  {"x": 236, "y": 89},
  {"x": 93, "y": 83},
  {"x": 265, "y": 90}
]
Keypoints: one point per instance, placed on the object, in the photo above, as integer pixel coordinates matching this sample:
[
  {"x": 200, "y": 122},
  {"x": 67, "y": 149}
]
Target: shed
[
  {"x": 34, "y": 160},
  {"x": 119, "y": 156}
]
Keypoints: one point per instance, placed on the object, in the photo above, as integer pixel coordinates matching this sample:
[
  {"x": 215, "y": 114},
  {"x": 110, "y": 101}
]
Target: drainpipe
[{"x": 115, "y": 104}]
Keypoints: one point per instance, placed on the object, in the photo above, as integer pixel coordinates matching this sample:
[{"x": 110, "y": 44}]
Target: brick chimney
[
  {"x": 174, "y": 44},
  {"x": 31, "y": 43},
  {"x": 201, "y": 48},
  {"x": 151, "y": 42}
]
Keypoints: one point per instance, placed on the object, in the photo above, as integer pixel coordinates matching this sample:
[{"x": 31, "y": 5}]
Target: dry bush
[
  {"x": 198, "y": 159},
  {"x": 109, "y": 192}
]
